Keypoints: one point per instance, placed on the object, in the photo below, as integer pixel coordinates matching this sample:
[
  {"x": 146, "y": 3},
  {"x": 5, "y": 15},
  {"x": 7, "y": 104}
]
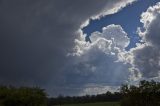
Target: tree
[
  {"x": 23, "y": 96},
  {"x": 147, "y": 93}
]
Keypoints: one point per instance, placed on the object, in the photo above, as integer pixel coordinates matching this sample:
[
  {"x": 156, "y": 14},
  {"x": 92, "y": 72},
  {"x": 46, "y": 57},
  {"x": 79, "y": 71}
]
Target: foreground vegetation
[
  {"x": 23, "y": 96},
  {"x": 147, "y": 93}
]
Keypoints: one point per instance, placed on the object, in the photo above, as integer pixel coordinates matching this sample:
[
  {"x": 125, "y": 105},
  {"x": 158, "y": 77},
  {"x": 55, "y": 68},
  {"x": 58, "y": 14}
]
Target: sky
[
  {"x": 79, "y": 47},
  {"x": 128, "y": 18}
]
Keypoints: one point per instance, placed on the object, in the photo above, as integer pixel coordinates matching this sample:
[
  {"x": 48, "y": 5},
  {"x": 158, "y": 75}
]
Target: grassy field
[{"x": 96, "y": 104}]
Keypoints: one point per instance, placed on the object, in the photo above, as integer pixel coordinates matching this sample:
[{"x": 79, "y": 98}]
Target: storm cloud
[{"x": 38, "y": 36}]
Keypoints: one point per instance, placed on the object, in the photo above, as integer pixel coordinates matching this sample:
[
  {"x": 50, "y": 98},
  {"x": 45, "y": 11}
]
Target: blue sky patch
[{"x": 128, "y": 18}]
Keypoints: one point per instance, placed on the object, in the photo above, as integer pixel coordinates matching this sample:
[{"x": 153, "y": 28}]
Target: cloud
[
  {"x": 98, "y": 89},
  {"x": 100, "y": 62},
  {"x": 150, "y": 19},
  {"x": 146, "y": 57},
  {"x": 37, "y": 35},
  {"x": 112, "y": 37}
]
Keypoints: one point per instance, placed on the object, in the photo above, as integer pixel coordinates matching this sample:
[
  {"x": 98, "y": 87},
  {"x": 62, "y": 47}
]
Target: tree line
[
  {"x": 146, "y": 93},
  {"x": 107, "y": 97}
]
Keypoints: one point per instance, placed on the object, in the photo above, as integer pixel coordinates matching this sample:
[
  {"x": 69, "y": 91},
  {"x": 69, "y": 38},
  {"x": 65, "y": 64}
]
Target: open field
[{"x": 95, "y": 104}]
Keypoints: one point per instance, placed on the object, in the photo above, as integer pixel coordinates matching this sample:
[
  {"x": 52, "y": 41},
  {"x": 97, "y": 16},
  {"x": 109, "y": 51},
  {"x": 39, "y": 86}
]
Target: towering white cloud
[{"x": 100, "y": 62}]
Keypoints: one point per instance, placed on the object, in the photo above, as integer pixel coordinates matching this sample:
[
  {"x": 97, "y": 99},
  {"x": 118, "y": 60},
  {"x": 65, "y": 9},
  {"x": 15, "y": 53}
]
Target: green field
[{"x": 95, "y": 104}]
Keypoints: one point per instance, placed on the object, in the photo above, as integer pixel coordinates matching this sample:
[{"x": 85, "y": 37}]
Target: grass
[{"x": 96, "y": 104}]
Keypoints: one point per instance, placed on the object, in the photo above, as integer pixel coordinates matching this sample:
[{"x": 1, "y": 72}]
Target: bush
[{"x": 23, "y": 96}]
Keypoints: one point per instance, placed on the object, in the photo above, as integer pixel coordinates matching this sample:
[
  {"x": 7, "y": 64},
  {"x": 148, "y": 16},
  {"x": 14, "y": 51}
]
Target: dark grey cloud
[
  {"x": 152, "y": 35},
  {"x": 37, "y": 35}
]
